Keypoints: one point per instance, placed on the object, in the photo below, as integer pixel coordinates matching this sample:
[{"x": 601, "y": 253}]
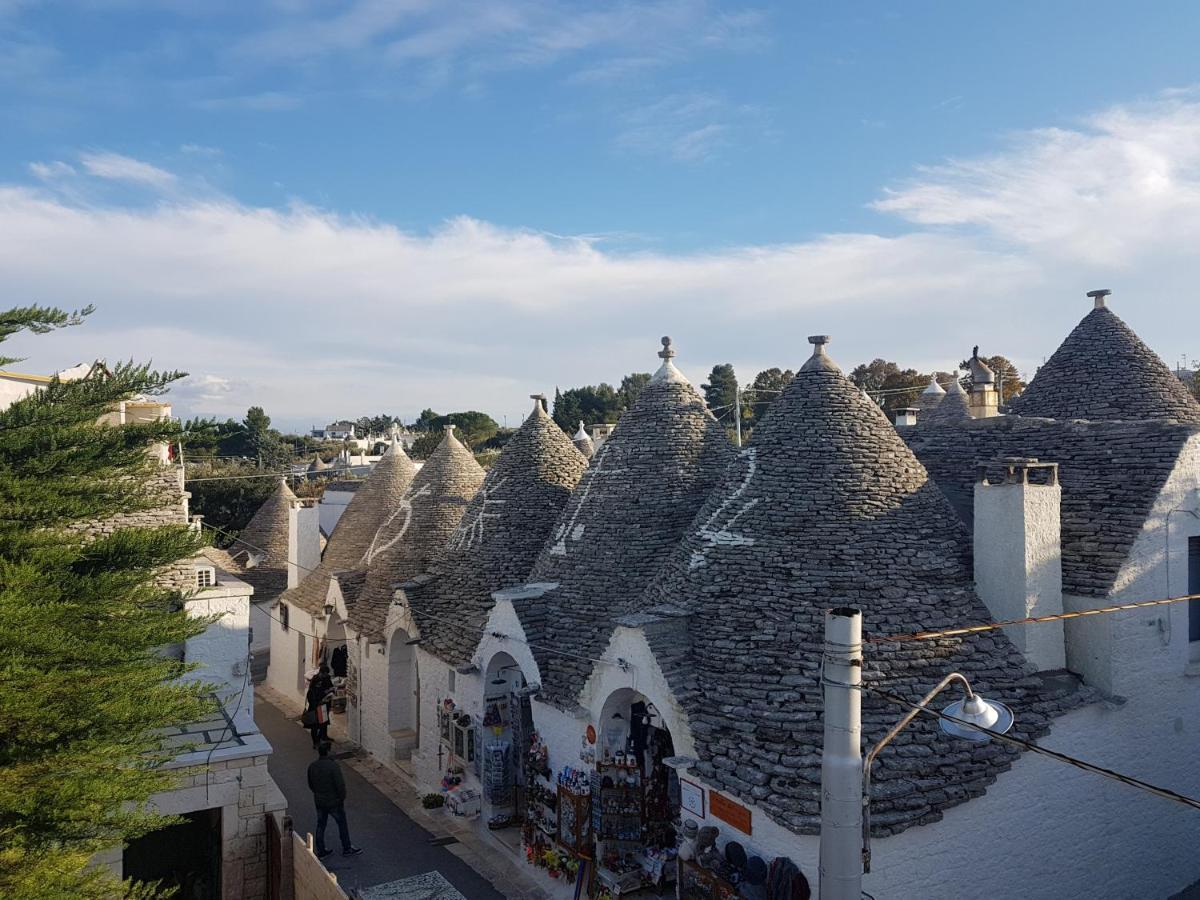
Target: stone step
[{"x": 404, "y": 742}]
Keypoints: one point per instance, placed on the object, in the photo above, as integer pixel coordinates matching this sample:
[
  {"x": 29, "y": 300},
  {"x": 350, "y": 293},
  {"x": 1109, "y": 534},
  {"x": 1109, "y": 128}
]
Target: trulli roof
[
  {"x": 827, "y": 507},
  {"x": 499, "y": 536},
  {"x": 318, "y": 465},
  {"x": 414, "y": 531},
  {"x": 1110, "y": 474},
  {"x": 266, "y": 537},
  {"x": 953, "y": 409},
  {"x": 366, "y": 511},
  {"x": 1104, "y": 371},
  {"x": 632, "y": 505},
  {"x": 583, "y": 442}
]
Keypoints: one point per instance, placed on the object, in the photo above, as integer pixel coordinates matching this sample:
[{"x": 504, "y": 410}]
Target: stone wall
[{"x": 243, "y": 791}]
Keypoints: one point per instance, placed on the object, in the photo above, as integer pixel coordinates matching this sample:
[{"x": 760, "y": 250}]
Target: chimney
[
  {"x": 1018, "y": 553},
  {"x": 906, "y": 417},
  {"x": 304, "y": 541}
]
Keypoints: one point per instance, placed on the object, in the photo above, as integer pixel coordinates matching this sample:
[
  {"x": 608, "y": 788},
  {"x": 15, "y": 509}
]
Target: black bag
[{"x": 308, "y": 718}]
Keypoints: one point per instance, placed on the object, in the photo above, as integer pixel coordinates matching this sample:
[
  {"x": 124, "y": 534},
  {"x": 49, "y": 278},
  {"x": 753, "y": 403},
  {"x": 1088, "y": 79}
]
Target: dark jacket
[
  {"x": 326, "y": 783},
  {"x": 318, "y": 688}
]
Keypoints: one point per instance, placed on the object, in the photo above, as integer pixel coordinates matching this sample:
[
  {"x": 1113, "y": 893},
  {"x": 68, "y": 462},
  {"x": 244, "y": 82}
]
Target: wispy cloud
[
  {"x": 265, "y": 101},
  {"x": 308, "y": 312},
  {"x": 689, "y": 128},
  {"x": 200, "y": 150},
  {"x": 51, "y": 170},
  {"x": 116, "y": 167},
  {"x": 1106, "y": 193}
]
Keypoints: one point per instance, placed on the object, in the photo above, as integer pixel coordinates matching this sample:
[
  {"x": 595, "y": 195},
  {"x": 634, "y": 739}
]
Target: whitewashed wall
[
  {"x": 222, "y": 650},
  {"x": 287, "y": 667}
]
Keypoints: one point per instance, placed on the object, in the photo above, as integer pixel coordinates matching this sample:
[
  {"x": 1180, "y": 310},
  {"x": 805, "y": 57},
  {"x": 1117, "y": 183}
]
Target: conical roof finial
[
  {"x": 820, "y": 359},
  {"x": 539, "y": 403},
  {"x": 1098, "y": 298},
  {"x": 667, "y": 371}
]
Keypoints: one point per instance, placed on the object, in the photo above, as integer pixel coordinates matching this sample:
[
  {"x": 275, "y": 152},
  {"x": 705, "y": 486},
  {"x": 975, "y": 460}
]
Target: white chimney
[
  {"x": 304, "y": 541},
  {"x": 1018, "y": 553},
  {"x": 906, "y": 417}
]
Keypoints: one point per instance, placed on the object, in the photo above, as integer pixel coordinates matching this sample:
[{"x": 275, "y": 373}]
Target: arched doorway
[
  {"x": 402, "y": 695},
  {"x": 639, "y": 792},
  {"x": 334, "y": 654},
  {"x": 507, "y": 729}
]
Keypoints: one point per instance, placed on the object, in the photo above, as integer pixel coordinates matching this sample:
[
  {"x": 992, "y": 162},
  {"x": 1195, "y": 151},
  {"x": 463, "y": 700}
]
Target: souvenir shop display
[
  {"x": 575, "y": 811},
  {"x": 466, "y": 802},
  {"x": 498, "y": 773}
]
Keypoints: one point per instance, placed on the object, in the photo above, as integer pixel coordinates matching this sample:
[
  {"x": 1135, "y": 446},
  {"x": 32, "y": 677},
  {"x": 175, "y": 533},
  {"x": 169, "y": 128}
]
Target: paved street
[{"x": 394, "y": 845}]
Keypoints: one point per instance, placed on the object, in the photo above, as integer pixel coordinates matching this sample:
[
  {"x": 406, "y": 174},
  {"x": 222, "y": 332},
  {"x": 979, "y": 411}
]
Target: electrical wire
[
  {"x": 1084, "y": 765},
  {"x": 1033, "y": 620}
]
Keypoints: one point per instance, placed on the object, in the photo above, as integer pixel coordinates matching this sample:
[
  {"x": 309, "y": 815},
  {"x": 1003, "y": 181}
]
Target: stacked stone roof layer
[
  {"x": 583, "y": 442},
  {"x": 930, "y": 398},
  {"x": 827, "y": 507},
  {"x": 415, "y": 530},
  {"x": 1104, "y": 371},
  {"x": 953, "y": 409},
  {"x": 498, "y": 538},
  {"x": 630, "y": 509},
  {"x": 1110, "y": 473},
  {"x": 266, "y": 537},
  {"x": 370, "y": 506}
]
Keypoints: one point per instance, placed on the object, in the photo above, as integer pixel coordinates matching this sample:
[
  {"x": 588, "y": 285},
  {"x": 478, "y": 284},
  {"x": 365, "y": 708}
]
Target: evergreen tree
[
  {"x": 765, "y": 390},
  {"x": 84, "y": 690},
  {"x": 721, "y": 389}
]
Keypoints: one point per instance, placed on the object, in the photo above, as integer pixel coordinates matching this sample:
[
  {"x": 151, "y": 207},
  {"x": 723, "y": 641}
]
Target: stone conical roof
[
  {"x": 954, "y": 408},
  {"x": 259, "y": 556},
  {"x": 318, "y": 465},
  {"x": 631, "y": 507},
  {"x": 415, "y": 530},
  {"x": 929, "y": 399},
  {"x": 499, "y": 536},
  {"x": 352, "y": 535},
  {"x": 1104, "y": 371},
  {"x": 583, "y": 442},
  {"x": 826, "y": 507}
]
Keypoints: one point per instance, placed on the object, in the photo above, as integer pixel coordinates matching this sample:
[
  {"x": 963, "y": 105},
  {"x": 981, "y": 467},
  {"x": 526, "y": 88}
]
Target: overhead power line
[
  {"x": 1129, "y": 780},
  {"x": 1033, "y": 620}
]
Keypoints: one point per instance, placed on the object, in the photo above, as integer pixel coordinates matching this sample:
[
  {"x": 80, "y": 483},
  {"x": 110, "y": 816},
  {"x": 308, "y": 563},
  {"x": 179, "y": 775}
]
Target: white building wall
[
  {"x": 304, "y": 542},
  {"x": 291, "y": 652},
  {"x": 222, "y": 650},
  {"x": 260, "y": 627},
  {"x": 374, "y": 735}
]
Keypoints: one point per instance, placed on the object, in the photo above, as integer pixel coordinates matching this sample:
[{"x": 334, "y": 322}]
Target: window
[
  {"x": 283, "y": 615},
  {"x": 1194, "y": 588},
  {"x": 206, "y": 576}
]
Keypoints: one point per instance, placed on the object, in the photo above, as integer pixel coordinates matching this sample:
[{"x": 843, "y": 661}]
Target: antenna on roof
[{"x": 1098, "y": 297}]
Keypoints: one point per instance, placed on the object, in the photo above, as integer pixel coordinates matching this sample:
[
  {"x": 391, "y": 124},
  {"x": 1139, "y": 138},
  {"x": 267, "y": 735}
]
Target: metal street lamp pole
[{"x": 845, "y": 777}]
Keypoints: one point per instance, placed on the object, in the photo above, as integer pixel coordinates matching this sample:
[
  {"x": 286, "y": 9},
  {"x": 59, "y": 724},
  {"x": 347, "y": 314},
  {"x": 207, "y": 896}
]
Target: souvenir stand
[
  {"x": 507, "y": 725},
  {"x": 635, "y": 802},
  {"x": 458, "y": 752}
]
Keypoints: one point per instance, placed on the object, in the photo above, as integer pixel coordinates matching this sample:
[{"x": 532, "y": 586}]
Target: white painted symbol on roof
[
  {"x": 572, "y": 529},
  {"x": 468, "y": 532},
  {"x": 403, "y": 508},
  {"x": 721, "y": 536}
]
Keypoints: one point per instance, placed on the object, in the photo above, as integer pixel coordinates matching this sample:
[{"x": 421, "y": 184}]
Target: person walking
[
  {"x": 317, "y": 706},
  {"x": 329, "y": 794}
]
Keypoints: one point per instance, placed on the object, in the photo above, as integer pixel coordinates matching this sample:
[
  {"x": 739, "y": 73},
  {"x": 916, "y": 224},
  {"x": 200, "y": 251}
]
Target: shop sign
[
  {"x": 691, "y": 798},
  {"x": 734, "y": 813}
]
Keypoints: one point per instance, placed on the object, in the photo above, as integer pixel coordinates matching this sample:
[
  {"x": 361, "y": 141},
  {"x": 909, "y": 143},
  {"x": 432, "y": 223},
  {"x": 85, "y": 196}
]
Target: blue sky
[{"x": 344, "y": 208}]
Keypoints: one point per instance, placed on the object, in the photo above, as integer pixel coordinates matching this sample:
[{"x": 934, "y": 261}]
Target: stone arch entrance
[
  {"x": 402, "y": 693},
  {"x": 633, "y": 743},
  {"x": 507, "y": 730}
]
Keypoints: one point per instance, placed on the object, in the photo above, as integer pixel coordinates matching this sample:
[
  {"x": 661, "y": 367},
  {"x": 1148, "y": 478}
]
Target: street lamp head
[{"x": 989, "y": 714}]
